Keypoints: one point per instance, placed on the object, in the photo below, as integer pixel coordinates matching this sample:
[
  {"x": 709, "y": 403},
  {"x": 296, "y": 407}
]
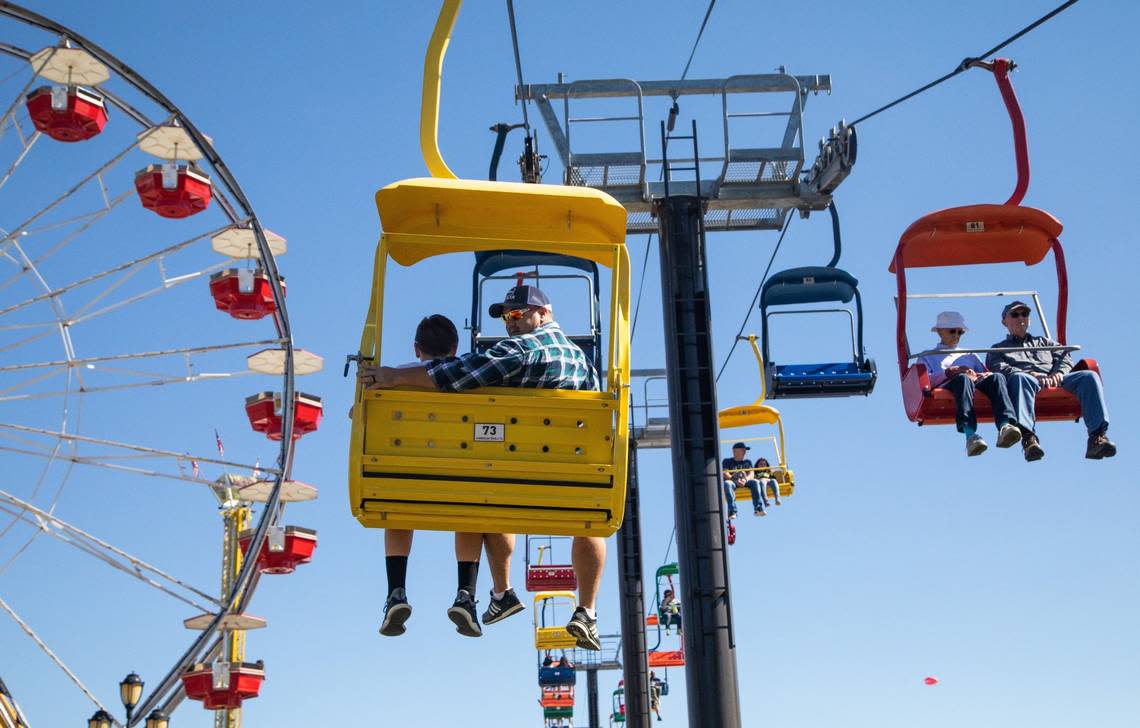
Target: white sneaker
[
  {"x": 1008, "y": 435},
  {"x": 975, "y": 445}
]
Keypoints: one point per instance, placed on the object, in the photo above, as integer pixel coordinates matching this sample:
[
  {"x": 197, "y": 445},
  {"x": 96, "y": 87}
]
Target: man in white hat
[{"x": 961, "y": 374}]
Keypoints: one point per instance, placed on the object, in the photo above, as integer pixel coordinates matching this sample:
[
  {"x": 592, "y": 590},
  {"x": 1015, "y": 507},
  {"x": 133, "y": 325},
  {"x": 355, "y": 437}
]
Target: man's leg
[
  {"x": 397, "y": 546},
  {"x": 1087, "y": 387},
  {"x": 504, "y": 601},
  {"x": 468, "y": 548},
  {"x": 589, "y": 557},
  {"x": 1023, "y": 389},
  {"x": 730, "y": 497}
]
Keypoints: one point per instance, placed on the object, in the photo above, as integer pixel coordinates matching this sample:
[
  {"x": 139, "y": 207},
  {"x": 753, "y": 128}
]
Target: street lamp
[
  {"x": 157, "y": 719},
  {"x": 101, "y": 719},
  {"x": 130, "y": 691}
]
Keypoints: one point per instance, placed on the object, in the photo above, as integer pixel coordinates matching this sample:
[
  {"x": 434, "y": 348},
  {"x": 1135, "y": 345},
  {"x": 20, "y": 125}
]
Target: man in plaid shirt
[{"x": 539, "y": 356}]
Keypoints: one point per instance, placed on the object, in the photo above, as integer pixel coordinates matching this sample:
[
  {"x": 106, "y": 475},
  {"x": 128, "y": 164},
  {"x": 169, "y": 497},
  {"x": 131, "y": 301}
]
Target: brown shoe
[
  {"x": 1099, "y": 446},
  {"x": 1031, "y": 447}
]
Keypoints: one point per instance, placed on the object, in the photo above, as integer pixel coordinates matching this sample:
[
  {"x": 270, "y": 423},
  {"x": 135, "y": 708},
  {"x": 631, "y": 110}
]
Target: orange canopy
[{"x": 976, "y": 234}]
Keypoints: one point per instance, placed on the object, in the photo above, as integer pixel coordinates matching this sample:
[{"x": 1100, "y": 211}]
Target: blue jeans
[
  {"x": 759, "y": 498},
  {"x": 994, "y": 386},
  {"x": 1023, "y": 389}
]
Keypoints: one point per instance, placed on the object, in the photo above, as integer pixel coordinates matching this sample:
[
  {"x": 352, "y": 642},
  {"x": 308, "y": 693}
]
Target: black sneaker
[
  {"x": 462, "y": 612},
  {"x": 396, "y": 612},
  {"x": 585, "y": 630},
  {"x": 500, "y": 609}
]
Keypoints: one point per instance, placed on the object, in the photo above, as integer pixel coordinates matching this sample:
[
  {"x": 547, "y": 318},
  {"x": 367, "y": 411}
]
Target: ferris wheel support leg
[
  {"x": 635, "y": 660},
  {"x": 710, "y": 650},
  {"x": 592, "y": 697}
]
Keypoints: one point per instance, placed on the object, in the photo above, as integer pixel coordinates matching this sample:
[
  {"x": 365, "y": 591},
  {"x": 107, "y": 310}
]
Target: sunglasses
[
  {"x": 515, "y": 314},
  {"x": 1019, "y": 314},
  {"x": 957, "y": 332}
]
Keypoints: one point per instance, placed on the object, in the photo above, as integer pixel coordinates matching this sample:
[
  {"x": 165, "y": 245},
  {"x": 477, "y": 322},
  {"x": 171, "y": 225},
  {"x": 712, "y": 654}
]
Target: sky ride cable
[
  {"x": 755, "y": 298},
  {"x": 968, "y": 62}
]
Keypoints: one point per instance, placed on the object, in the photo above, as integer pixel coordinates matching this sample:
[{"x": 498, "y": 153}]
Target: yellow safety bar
[
  {"x": 550, "y": 462},
  {"x": 556, "y": 637}
]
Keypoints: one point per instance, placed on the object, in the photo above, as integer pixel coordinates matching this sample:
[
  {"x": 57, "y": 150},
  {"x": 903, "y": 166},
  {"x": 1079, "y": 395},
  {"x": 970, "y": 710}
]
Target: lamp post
[
  {"x": 157, "y": 719},
  {"x": 101, "y": 719},
  {"x": 130, "y": 691}
]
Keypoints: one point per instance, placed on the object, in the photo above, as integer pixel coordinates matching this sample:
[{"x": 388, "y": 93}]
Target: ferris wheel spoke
[
  {"x": 53, "y": 294},
  {"x": 177, "y": 458},
  {"x": 54, "y": 657},
  {"x": 26, "y": 144},
  {"x": 10, "y": 112},
  {"x": 183, "y": 352},
  {"x": 111, "y": 555}
]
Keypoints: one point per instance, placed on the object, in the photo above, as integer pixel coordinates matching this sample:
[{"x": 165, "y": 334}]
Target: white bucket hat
[{"x": 949, "y": 320}]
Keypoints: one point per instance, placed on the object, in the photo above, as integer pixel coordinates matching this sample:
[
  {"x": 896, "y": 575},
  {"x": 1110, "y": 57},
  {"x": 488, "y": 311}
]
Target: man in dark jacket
[{"x": 1044, "y": 364}]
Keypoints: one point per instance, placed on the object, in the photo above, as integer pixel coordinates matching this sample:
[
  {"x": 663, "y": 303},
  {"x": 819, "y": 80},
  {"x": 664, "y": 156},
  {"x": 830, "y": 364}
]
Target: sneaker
[
  {"x": 759, "y": 512},
  {"x": 500, "y": 609},
  {"x": 396, "y": 612},
  {"x": 1100, "y": 446},
  {"x": 732, "y": 516},
  {"x": 1031, "y": 447},
  {"x": 975, "y": 445},
  {"x": 462, "y": 612},
  {"x": 585, "y": 630},
  {"x": 1008, "y": 435}
]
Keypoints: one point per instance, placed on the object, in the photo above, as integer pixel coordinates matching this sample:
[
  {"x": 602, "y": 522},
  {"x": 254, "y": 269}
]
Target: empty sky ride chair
[
  {"x": 495, "y": 459},
  {"x": 811, "y": 285},
  {"x": 983, "y": 235},
  {"x": 548, "y": 576},
  {"x": 549, "y": 632}
]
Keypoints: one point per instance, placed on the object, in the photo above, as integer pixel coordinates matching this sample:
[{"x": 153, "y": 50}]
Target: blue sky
[{"x": 897, "y": 557}]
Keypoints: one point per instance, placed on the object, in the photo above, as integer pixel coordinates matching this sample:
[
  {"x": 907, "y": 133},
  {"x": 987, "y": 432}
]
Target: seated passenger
[
  {"x": 737, "y": 471},
  {"x": 655, "y": 684},
  {"x": 670, "y": 611},
  {"x": 1029, "y": 371},
  {"x": 536, "y": 354},
  {"x": 961, "y": 374},
  {"x": 768, "y": 484},
  {"x": 564, "y": 662},
  {"x": 548, "y": 660}
]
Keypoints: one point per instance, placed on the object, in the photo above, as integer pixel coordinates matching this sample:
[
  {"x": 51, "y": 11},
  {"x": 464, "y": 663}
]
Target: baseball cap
[
  {"x": 519, "y": 297},
  {"x": 741, "y": 445},
  {"x": 1014, "y": 306}
]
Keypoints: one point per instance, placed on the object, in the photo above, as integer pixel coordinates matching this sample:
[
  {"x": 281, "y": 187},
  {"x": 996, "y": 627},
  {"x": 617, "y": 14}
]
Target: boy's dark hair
[{"x": 437, "y": 336}]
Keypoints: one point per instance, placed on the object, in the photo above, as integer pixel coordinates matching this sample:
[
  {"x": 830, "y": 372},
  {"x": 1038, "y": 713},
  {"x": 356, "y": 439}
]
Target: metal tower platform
[{"x": 757, "y": 182}]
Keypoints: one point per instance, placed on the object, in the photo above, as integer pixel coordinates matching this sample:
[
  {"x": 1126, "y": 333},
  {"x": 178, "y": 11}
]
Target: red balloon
[{"x": 931, "y": 680}]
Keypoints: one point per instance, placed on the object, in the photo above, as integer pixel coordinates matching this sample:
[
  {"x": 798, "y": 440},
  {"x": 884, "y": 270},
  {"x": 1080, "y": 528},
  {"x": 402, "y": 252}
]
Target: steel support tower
[{"x": 635, "y": 664}]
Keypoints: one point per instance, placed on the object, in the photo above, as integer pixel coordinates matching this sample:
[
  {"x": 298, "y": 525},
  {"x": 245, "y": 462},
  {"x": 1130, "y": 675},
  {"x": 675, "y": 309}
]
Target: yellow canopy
[{"x": 426, "y": 217}]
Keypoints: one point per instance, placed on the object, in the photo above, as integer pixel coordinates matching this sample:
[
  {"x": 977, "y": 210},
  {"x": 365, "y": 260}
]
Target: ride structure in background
[
  {"x": 551, "y": 576},
  {"x": 977, "y": 235},
  {"x": 498, "y": 460},
  {"x": 75, "y": 214}
]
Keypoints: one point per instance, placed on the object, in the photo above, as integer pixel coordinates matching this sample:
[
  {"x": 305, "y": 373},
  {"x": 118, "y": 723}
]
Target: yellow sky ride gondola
[
  {"x": 494, "y": 459},
  {"x": 758, "y": 413}
]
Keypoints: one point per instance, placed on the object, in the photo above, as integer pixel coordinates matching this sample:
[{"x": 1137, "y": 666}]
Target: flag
[
  {"x": 257, "y": 469},
  {"x": 221, "y": 447},
  {"x": 194, "y": 466}
]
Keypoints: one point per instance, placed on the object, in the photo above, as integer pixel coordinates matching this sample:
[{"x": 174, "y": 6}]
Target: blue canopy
[
  {"x": 490, "y": 262},
  {"x": 810, "y": 284}
]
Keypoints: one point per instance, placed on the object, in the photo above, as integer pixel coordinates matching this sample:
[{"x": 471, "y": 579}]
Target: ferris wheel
[{"x": 142, "y": 313}]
